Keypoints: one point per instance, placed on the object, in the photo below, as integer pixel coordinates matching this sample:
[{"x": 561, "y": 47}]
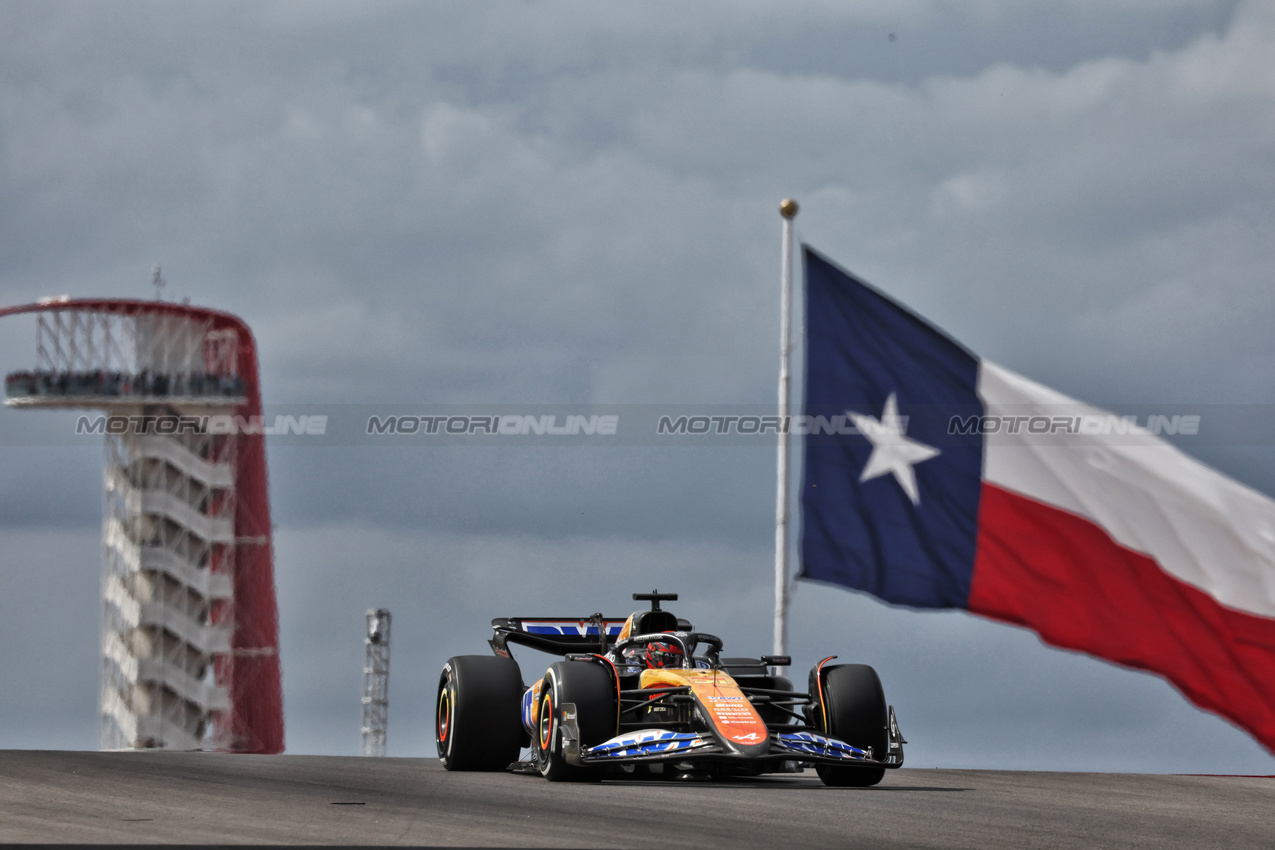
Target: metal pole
[
  {"x": 787, "y": 209},
  {"x": 376, "y": 682}
]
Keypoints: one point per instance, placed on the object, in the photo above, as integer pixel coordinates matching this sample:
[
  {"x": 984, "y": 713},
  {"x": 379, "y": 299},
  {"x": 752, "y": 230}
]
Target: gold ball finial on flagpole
[{"x": 788, "y": 208}]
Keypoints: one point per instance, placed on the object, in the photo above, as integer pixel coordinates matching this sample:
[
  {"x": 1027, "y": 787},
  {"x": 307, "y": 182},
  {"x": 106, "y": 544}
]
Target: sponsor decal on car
[{"x": 732, "y": 715}]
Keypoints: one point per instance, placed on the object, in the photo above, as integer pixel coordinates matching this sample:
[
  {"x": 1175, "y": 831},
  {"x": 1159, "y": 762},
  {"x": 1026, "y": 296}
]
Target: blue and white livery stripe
[
  {"x": 571, "y": 628},
  {"x": 528, "y": 709},
  {"x": 648, "y": 742},
  {"x": 819, "y": 745}
]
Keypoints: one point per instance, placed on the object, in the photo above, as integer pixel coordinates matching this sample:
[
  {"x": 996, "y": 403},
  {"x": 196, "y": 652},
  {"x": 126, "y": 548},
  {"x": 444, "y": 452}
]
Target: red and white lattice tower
[{"x": 190, "y": 629}]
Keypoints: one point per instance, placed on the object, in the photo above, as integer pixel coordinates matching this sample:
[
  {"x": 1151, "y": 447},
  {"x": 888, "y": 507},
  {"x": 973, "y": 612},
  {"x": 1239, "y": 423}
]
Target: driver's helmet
[
  {"x": 660, "y": 654},
  {"x": 634, "y": 656}
]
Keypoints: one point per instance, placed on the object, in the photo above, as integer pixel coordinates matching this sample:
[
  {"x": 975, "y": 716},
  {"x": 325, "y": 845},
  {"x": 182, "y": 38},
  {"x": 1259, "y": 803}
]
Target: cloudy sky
[{"x": 553, "y": 203}]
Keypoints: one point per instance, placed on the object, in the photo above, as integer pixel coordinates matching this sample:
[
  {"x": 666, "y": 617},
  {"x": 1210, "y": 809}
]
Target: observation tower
[{"x": 190, "y": 633}]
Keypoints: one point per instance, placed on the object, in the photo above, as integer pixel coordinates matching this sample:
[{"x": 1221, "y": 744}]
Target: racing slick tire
[
  {"x": 478, "y": 725},
  {"x": 590, "y": 686},
  {"x": 858, "y": 715}
]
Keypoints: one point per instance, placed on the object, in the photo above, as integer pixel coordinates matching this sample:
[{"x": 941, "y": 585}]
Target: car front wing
[{"x": 664, "y": 745}]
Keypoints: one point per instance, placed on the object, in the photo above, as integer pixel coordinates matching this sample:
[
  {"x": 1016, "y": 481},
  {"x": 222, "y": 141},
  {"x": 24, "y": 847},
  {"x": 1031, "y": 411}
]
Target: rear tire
[
  {"x": 591, "y": 688},
  {"x": 478, "y": 723},
  {"x": 857, "y": 714}
]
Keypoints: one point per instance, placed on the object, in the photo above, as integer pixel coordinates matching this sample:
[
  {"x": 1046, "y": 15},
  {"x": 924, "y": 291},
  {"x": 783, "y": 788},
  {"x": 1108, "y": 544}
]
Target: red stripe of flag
[{"x": 1064, "y": 577}]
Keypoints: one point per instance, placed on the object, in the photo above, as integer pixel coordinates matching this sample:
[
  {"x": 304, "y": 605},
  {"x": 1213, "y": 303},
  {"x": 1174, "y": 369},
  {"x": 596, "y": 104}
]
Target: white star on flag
[{"x": 891, "y": 451}]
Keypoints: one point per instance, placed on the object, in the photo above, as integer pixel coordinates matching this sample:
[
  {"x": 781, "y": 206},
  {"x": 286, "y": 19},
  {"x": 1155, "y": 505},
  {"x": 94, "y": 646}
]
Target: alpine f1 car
[{"x": 650, "y": 695}]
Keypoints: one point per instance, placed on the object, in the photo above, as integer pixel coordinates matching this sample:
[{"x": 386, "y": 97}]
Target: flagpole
[{"x": 788, "y": 210}]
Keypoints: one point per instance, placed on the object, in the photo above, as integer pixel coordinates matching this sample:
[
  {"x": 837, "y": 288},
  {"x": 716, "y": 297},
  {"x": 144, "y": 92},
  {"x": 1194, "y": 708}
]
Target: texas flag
[{"x": 935, "y": 479}]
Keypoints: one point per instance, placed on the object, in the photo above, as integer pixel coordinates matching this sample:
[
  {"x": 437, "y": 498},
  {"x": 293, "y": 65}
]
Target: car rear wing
[{"x": 558, "y": 635}]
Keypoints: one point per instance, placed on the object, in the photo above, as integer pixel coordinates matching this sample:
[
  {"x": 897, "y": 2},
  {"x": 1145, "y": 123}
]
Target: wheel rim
[
  {"x": 444, "y": 716},
  {"x": 546, "y": 723}
]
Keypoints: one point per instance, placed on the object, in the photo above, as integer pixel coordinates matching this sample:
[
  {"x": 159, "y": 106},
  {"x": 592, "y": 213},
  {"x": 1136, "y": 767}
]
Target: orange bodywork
[{"x": 730, "y": 711}]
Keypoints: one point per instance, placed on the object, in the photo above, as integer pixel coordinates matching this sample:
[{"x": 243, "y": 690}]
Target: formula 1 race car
[{"x": 633, "y": 698}]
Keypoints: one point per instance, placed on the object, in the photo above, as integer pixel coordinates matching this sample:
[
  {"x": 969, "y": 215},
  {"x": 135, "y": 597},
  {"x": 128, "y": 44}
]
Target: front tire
[
  {"x": 478, "y": 723},
  {"x": 857, "y": 714},
  {"x": 590, "y": 687}
]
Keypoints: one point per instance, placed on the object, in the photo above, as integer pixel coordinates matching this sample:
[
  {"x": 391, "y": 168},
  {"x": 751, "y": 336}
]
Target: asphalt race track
[{"x": 203, "y": 798}]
